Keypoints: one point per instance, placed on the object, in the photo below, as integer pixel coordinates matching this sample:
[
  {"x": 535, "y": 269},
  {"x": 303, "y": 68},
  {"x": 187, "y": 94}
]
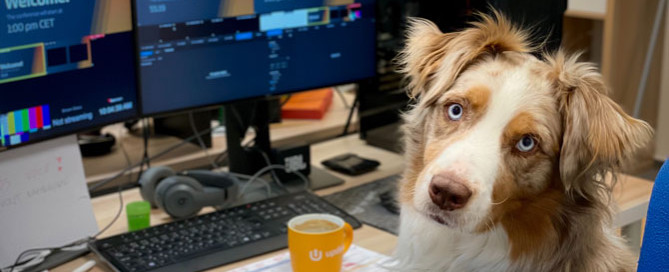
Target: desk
[
  {"x": 632, "y": 194},
  {"x": 190, "y": 156}
]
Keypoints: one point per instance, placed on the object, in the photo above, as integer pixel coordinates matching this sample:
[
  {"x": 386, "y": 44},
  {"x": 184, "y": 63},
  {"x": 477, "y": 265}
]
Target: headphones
[{"x": 185, "y": 194}]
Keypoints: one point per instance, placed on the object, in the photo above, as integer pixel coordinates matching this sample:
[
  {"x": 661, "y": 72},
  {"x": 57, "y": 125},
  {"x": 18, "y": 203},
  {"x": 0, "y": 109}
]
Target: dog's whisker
[{"x": 498, "y": 203}]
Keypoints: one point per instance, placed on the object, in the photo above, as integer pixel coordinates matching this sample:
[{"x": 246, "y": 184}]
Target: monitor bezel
[
  {"x": 137, "y": 111},
  {"x": 215, "y": 105}
]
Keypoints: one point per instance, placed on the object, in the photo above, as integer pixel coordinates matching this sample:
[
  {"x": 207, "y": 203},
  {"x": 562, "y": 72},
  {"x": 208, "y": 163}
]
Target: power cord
[
  {"x": 201, "y": 142},
  {"x": 350, "y": 113},
  {"x": 262, "y": 171},
  {"x": 162, "y": 153},
  {"x": 43, "y": 253},
  {"x": 118, "y": 214},
  {"x": 268, "y": 162},
  {"x": 339, "y": 93}
]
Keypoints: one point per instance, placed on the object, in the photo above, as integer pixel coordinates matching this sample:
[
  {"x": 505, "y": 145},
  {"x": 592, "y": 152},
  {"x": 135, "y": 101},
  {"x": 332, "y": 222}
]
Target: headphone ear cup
[
  {"x": 178, "y": 196},
  {"x": 149, "y": 181}
]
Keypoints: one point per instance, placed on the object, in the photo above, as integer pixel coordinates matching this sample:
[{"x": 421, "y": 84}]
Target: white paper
[
  {"x": 44, "y": 201},
  {"x": 356, "y": 259}
]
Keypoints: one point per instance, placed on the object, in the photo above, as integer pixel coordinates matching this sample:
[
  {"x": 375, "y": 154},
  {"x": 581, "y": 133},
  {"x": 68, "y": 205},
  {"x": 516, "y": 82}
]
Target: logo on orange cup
[{"x": 315, "y": 255}]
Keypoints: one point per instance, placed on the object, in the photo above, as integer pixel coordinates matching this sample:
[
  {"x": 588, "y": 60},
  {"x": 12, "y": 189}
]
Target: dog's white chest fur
[{"x": 424, "y": 245}]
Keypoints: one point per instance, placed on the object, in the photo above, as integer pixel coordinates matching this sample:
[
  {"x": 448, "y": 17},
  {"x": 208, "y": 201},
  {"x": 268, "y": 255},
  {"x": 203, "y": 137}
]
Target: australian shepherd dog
[{"x": 507, "y": 155}]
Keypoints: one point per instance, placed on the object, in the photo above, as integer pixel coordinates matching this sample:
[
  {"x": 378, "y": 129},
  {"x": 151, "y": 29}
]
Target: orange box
[{"x": 308, "y": 105}]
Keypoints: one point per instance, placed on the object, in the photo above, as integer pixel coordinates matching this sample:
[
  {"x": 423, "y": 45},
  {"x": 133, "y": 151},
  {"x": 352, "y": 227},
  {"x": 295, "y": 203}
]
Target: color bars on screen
[{"x": 15, "y": 126}]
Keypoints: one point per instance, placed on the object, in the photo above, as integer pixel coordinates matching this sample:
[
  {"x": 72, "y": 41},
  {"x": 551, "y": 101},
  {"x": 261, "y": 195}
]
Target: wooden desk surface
[
  {"x": 631, "y": 194},
  {"x": 190, "y": 156},
  {"x": 105, "y": 207}
]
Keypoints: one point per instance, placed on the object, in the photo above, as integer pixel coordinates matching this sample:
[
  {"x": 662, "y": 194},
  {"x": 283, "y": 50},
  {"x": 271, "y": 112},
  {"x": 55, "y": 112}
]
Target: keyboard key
[{"x": 186, "y": 240}]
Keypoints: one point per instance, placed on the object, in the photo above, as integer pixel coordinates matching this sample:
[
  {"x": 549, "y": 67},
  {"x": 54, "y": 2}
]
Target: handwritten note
[{"x": 44, "y": 200}]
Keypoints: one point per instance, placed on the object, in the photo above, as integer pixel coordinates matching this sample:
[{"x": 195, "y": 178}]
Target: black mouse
[{"x": 389, "y": 202}]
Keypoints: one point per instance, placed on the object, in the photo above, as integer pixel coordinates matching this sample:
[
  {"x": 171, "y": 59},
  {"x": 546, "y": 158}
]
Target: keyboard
[{"x": 213, "y": 239}]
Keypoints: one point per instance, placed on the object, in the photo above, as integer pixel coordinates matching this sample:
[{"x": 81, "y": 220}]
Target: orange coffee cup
[{"x": 321, "y": 248}]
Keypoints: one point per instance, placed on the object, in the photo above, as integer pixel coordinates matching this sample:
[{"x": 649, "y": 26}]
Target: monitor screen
[
  {"x": 195, "y": 53},
  {"x": 65, "y": 66}
]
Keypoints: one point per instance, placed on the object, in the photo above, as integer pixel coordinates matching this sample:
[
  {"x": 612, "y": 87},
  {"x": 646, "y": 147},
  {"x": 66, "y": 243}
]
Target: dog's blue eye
[
  {"x": 455, "y": 112},
  {"x": 526, "y": 144}
]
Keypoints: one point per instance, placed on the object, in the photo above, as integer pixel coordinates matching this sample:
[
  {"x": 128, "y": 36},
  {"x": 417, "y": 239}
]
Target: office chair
[{"x": 656, "y": 236}]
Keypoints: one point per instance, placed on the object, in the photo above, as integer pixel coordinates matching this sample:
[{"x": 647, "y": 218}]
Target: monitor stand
[
  {"x": 178, "y": 125},
  {"x": 239, "y": 117}
]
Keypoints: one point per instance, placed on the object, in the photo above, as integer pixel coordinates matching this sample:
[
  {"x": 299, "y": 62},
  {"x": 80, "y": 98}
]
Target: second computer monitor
[
  {"x": 205, "y": 52},
  {"x": 65, "y": 67}
]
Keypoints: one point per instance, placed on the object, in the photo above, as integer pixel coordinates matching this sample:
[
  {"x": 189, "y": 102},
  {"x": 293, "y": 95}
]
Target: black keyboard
[{"x": 213, "y": 239}]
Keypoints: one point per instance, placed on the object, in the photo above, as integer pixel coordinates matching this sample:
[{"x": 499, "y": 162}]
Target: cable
[
  {"x": 221, "y": 157},
  {"x": 341, "y": 97},
  {"x": 267, "y": 168},
  {"x": 268, "y": 162},
  {"x": 248, "y": 178},
  {"x": 18, "y": 259},
  {"x": 118, "y": 213},
  {"x": 125, "y": 152},
  {"x": 285, "y": 100},
  {"x": 350, "y": 113},
  {"x": 120, "y": 194},
  {"x": 649, "y": 58},
  {"x": 162, "y": 153},
  {"x": 47, "y": 251},
  {"x": 145, "y": 157},
  {"x": 199, "y": 139}
]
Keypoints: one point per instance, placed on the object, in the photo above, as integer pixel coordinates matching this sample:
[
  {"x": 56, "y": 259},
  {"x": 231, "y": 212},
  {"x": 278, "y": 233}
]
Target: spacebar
[{"x": 229, "y": 255}]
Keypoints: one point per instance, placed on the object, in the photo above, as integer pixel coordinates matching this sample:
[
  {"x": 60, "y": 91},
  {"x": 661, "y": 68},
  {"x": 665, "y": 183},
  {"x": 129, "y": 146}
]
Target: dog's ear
[
  {"x": 432, "y": 60},
  {"x": 598, "y": 135}
]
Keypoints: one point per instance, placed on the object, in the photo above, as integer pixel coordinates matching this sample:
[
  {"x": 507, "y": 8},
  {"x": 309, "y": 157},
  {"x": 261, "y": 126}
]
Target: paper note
[
  {"x": 44, "y": 201},
  {"x": 356, "y": 259}
]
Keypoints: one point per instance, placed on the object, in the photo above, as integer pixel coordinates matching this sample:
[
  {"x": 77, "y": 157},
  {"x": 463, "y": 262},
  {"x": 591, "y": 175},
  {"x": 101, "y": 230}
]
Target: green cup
[{"x": 139, "y": 215}]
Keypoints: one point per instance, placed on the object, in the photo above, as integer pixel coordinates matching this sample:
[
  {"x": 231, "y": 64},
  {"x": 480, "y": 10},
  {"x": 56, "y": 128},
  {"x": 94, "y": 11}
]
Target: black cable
[
  {"x": 162, "y": 153},
  {"x": 120, "y": 193},
  {"x": 191, "y": 119},
  {"x": 221, "y": 157},
  {"x": 78, "y": 242},
  {"x": 145, "y": 156},
  {"x": 268, "y": 162},
  {"x": 285, "y": 100},
  {"x": 350, "y": 113},
  {"x": 238, "y": 117},
  {"x": 16, "y": 262},
  {"x": 146, "y": 135},
  {"x": 341, "y": 97},
  {"x": 118, "y": 213}
]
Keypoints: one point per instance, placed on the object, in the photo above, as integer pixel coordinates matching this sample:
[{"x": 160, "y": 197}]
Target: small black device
[
  {"x": 95, "y": 145},
  {"x": 183, "y": 195},
  {"x": 213, "y": 239},
  {"x": 296, "y": 157},
  {"x": 351, "y": 164}
]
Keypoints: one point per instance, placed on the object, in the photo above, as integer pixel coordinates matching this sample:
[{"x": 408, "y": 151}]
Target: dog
[{"x": 507, "y": 155}]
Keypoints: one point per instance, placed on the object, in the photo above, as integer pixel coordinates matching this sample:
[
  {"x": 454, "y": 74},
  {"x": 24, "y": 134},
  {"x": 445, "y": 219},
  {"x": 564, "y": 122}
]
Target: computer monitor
[
  {"x": 65, "y": 66},
  {"x": 206, "y": 52},
  {"x": 195, "y": 54}
]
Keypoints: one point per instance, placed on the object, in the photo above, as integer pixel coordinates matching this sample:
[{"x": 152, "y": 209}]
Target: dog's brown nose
[{"x": 449, "y": 193}]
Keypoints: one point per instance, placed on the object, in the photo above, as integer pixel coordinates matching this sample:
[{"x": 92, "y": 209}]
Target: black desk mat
[{"x": 364, "y": 203}]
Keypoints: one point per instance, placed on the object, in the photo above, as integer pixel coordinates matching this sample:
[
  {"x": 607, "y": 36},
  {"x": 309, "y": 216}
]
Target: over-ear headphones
[{"x": 185, "y": 194}]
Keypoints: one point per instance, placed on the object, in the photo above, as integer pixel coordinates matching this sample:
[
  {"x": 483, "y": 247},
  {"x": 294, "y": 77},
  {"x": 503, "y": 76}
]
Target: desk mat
[{"x": 364, "y": 203}]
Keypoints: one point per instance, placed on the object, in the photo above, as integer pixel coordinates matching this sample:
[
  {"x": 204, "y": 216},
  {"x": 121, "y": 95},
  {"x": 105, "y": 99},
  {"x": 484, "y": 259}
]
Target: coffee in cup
[{"x": 317, "y": 242}]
